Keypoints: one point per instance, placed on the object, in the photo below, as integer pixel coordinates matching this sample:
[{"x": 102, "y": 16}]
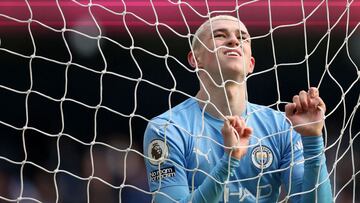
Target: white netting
[{"x": 81, "y": 79}]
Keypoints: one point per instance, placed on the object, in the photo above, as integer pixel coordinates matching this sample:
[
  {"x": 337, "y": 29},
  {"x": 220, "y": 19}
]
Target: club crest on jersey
[
  {"x": 262, "y": 157},
  {"x": 157, "y": 150}
]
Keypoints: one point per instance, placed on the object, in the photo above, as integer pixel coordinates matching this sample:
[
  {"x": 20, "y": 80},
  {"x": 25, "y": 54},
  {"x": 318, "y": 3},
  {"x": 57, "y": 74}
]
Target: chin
[
  {"x": 236, "y": 71},
  {"x": 237, "y": 78}
]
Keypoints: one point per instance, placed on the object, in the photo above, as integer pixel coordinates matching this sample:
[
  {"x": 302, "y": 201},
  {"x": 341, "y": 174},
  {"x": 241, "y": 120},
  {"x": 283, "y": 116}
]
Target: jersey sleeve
[
  {"x": 292, "y": 163},
  {"x": 306, "y": 169},
  {"x": 164, "y": 152},
  {"x": 165, "y": 160},
  {"x": 315, "y": 171}
]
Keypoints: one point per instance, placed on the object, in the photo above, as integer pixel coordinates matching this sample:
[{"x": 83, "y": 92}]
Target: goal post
[{"x": 81, "y": 79}]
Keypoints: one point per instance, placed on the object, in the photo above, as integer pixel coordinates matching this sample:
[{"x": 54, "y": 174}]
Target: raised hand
[
  {"x": 306, "y": 113},
  {"x": 236, "y": 135}
]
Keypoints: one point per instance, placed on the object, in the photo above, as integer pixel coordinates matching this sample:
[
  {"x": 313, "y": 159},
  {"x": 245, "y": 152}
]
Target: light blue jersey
[{"x": 188, "y": 163}]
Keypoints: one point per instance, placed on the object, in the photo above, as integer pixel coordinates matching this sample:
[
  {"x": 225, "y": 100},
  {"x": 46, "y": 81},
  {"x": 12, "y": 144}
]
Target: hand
[
  {"x": 237, "y": 135},
  {"x": 307, "y": 107}
]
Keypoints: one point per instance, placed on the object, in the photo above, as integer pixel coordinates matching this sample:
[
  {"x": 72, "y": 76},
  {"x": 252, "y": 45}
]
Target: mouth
[{"x": 232, "y": 53}]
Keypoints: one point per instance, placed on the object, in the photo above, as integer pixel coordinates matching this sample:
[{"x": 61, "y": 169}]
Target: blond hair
[{"x": 195, "y": 41}]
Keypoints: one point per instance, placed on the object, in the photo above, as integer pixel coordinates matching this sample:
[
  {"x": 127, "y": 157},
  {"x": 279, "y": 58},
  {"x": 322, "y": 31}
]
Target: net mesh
[{"x": 81, "y": 79}]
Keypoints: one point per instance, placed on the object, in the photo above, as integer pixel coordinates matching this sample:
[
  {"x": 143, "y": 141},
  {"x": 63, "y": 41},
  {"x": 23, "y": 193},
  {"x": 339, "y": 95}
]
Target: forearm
[
  {"x": 316, "y": 183},
  {"x": 210, "y": 190}
]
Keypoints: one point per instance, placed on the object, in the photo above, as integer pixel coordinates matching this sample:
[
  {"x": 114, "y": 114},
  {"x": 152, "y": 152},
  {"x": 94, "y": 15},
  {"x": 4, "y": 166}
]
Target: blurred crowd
[
  {"x": 118, "y": 175},
  {"x": 110, "y": 168}
]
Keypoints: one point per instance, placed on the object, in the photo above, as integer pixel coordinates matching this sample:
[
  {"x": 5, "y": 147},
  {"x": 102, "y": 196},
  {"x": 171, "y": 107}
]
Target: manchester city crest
[
  {"x": 157, "y": 150},
  {"x": 262, "y": 157}
]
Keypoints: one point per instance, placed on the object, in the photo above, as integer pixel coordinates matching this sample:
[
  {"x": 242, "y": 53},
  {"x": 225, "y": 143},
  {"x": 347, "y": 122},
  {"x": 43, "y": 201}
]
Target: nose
[{"x": 233, "y": 41}]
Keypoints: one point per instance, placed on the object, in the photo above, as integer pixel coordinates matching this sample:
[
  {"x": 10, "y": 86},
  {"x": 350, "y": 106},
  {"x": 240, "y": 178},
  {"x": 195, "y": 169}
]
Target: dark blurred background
[{"x": 72, "y": 117}]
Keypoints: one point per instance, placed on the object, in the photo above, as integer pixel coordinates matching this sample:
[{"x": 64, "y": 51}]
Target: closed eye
[
  {"x": 244, "y": 37},
  {"x": 219, "y": 35},
  {"x": 245, "y": 40}
]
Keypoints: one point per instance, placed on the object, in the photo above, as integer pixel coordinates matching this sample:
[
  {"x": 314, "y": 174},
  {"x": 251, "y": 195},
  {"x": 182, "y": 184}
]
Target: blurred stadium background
[{"x": 24, "y": 80}]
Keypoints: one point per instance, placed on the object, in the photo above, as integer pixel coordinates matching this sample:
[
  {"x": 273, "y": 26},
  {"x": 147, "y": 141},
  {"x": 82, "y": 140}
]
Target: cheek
[
  {"x": 248, "y": 49},
  {"x": 209, "y": 56}
]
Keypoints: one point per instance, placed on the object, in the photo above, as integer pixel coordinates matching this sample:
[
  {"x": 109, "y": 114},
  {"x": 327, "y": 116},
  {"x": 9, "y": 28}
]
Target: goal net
[{"x": 81, "y": 79}]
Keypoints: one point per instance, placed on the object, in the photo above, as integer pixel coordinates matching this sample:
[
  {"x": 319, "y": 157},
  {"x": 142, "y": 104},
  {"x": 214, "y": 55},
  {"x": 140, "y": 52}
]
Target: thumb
[{"x": 290, "y": 109}]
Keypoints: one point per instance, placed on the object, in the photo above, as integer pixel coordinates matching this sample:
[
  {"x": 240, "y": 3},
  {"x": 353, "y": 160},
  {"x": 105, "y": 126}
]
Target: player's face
[{"x": 230, "y": 41}]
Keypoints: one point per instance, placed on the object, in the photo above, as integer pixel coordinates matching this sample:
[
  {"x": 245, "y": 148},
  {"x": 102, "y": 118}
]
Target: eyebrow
[{"x": 242, "y": 32}]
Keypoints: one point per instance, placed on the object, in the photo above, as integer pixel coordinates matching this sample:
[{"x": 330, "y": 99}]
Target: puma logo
[{"x": 206, "y": 156}]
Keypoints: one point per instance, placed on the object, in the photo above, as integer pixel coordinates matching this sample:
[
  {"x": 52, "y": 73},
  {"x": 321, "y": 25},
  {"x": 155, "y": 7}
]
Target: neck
[{"x": 230, "y": 100}]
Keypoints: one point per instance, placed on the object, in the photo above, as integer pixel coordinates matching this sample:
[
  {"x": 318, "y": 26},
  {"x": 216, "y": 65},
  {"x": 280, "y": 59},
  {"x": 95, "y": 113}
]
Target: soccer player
[{"x": 218, "y": 147}]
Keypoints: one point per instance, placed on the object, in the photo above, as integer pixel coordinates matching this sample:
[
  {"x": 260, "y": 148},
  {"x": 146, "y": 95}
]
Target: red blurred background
[{"x": 112, "y": 15}]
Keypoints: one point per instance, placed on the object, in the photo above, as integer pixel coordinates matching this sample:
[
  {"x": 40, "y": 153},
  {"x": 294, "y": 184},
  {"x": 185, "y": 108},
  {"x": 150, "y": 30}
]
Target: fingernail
[{"x": 312, "y": 92}]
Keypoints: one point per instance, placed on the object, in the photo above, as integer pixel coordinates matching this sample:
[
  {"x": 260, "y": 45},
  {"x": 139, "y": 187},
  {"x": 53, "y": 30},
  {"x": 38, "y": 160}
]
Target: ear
[
  {"x": 251, "y": 65},
  {"x": 191, "y": 59}
]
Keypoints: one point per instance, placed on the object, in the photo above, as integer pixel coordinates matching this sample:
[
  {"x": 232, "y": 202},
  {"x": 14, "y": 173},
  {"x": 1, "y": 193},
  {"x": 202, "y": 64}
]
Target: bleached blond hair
[{"x": 203, "y": 27}]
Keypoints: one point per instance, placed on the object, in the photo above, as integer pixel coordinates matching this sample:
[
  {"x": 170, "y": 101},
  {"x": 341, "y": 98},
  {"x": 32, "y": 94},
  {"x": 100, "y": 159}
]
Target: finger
[
  {"x": 233, "y": 121},
  {"x": 290, "y": 109},
  {"x": 313, "y": 103},
  {"x": 240, "y": 124},
  {"x": 247, "y": 132},
  {"x": 226, "y": 129},
  {"x": 320, "y": 104},
  {"x": 303, "y": 96},
  {"x": 296, "y": 101},
  {"x": 245, "y": 138},
  {"x": 228, "y": 119},
  {"x": 313, "y": 92}
]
